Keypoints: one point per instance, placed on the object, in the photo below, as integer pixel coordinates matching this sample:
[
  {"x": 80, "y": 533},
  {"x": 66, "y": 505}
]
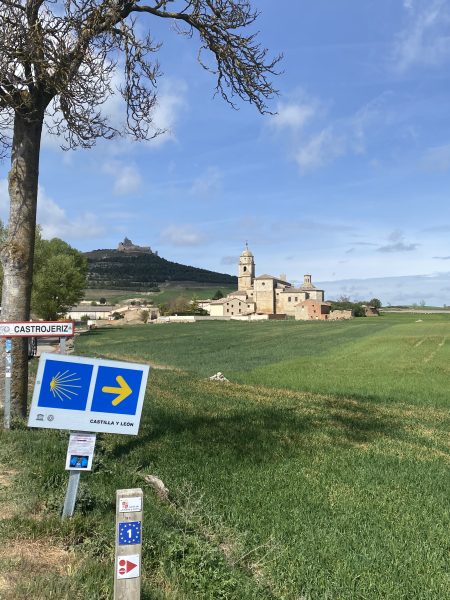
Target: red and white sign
[
  {"x": 133, "y": 504},
  {"x": 37, "y": 329},
  {"x": 128, "y": 566}
]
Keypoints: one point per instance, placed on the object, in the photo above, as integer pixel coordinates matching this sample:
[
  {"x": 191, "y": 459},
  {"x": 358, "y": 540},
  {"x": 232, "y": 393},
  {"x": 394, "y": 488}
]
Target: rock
[
  {"x": 218, "y": 377},
  {"x": 155, "y": 482}
]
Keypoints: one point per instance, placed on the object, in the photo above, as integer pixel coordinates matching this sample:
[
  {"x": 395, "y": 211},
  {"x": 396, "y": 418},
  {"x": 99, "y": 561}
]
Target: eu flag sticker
[
  {"x": 65, "y": 385},
  {"x": 129, "y": 533},
  {"x": 117, "y": 390}
]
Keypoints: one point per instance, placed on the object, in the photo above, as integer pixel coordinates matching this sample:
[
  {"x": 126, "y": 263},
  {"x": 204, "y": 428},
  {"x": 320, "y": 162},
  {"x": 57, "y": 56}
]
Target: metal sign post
[
  {"x": 71, "y": 494},
  {"x": 8, "y": 368},
  {"x": 80, "y": 453},
  {"x": 127, "y": 569}
]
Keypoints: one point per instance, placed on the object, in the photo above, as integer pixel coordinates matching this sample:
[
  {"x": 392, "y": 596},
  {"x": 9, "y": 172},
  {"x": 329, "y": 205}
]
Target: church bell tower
[{"x": 246, "y": 273}]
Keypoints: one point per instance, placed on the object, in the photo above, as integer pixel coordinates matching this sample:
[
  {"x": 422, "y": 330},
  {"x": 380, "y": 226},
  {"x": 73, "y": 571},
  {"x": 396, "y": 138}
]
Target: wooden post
[{"x": 128, "y": 563}]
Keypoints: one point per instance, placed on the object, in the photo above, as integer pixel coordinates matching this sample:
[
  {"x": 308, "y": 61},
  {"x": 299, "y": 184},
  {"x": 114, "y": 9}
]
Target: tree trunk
[{"x": 18, "y": 250}]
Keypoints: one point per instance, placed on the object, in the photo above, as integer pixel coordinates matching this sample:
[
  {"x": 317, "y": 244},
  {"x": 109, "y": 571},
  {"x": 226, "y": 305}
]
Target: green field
[
  {"x": 320, "y": 472},
  {"x": 167, "y": 293}
]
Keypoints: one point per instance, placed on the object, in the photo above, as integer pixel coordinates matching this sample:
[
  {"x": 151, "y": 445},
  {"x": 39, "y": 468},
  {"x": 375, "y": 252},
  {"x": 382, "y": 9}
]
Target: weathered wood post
[{"x": 127, "y": 569}]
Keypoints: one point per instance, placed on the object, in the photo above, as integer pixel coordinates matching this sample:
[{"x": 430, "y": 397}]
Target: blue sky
[{"x": 349, "y": 180}]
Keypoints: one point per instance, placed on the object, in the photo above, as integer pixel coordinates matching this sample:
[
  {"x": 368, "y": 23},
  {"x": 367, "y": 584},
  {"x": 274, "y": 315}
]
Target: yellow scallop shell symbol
[{"x": 64, "y": 386}]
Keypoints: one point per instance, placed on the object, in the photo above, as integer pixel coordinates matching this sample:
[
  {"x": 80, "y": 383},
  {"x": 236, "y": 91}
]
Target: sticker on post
[
  {"x": 132, "y": 504},
  {"x": 80, "y": 451},
  {"x": 129, "y": 533},
  {"x": 128, "y": 566}
]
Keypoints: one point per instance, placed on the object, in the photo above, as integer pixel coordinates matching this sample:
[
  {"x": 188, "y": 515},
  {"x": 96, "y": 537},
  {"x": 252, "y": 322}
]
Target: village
[{"x": 258, "y": 298}]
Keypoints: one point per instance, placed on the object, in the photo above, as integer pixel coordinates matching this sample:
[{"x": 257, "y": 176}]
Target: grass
[
  {"x": 279, "y": 489},
  {"x": 391, "y": 358}
]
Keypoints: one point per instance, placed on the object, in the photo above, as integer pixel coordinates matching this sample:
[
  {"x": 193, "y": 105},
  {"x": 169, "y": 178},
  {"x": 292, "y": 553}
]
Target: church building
[{"x": 264, "y": 294}]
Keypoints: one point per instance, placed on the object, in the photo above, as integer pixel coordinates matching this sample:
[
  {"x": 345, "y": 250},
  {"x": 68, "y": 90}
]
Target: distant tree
[
  {"x": 93, "y": 303},
  {"x": 164, "y": 309},
  {"x": 59, "y": 278},
  {"x": 102, "y": 300},
  {"x": 117, "y": 316},
  {"x": 144, "y": 315},
  {"x": 375, "y": 302},
  {"x": 218, "y": 295},
  {"x": 356, "y": 307}
]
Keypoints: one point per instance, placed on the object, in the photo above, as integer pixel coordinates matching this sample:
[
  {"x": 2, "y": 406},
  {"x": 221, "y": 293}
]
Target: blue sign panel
[
  {"x": 65, "y": 385},
  {"x": 116, "y": 390},
  {"x": 129, "y": 533},
  {"x": 88, "y": 394}
]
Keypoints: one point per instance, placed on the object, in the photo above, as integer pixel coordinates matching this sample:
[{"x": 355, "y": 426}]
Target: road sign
[
  {"x": 128, "y": 566},
  {"x": 129, "y": 533},
  {"x": 37, "y": 329},
  {"x": 88, "y": 394}
]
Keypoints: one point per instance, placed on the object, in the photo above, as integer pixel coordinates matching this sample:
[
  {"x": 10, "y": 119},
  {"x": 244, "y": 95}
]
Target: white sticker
[
  {"x": 128, "y": 566},
  {"x": 133, "y": 504},
  {"x": 80, "y": 451}
]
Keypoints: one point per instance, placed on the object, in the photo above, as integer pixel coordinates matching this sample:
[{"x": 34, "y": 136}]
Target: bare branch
[{"x": 63, "y": 56}]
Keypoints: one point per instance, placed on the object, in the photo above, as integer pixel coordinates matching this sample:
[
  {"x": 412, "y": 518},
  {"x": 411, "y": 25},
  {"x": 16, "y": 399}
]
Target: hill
[{"x": 113, "y": 269}]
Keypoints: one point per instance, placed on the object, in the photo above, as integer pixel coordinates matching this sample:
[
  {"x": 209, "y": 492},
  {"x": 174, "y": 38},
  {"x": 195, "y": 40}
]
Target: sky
[{"x": 348, "y": 180}]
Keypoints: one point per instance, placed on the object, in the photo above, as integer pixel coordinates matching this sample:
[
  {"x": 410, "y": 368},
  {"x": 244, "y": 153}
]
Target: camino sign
[{"x": 88, "y": 394}]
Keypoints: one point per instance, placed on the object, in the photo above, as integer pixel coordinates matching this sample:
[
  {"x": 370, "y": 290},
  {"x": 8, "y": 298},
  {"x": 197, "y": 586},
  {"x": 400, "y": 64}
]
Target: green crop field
[
  {"x": 321, "y": 471},
  {"x": 168, "y": 292}
]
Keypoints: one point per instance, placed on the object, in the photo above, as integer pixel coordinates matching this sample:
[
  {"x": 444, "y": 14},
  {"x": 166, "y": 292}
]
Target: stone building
[
  {"x": 264, "y": 294},
  {"x": 128, "y": 246},
  {"x": 310, "y": 310}
]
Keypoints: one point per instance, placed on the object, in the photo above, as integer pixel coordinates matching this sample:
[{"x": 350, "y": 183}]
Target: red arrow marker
[{"x": 126, "y": 566}]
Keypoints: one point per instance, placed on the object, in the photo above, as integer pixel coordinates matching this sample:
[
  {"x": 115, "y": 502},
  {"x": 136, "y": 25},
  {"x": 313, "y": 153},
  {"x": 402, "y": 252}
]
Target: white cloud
[
  {"x": 171, "y": 102},
  {"x": 320, "y": 150},
  {"x": 54, "y": 220},
  {"x": 182, "y": 235},
  {"x": 425, "y": 38},
  {"x": 293, "y": 115},
  {"x": 316, "y": 145},
  {"x": 208, "y": 184},
  {"x": 56, "y": 223},
  {"x": 126, "y": 177}
]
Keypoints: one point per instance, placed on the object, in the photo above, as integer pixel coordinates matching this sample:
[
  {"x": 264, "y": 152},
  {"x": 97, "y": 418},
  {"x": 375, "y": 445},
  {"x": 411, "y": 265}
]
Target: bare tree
[{"x": 57, "y": 62}]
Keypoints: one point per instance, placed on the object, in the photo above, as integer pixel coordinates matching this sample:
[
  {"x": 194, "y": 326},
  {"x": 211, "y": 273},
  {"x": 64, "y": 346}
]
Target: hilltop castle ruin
[{"x": 128, "y": 246}]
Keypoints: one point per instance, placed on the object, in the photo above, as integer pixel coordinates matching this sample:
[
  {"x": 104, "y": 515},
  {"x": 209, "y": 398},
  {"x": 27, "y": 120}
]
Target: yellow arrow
[{"x": 124, "y": 390}]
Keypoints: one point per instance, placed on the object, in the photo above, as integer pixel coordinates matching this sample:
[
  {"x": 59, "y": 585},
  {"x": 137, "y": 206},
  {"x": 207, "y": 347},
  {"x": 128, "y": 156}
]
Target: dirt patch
[
  {"x": 22, "y": 559},
  {"x": 6, "y": 478}
]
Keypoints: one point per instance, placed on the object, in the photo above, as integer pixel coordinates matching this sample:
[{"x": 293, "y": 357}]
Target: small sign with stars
[{"x": 129, "y": 533}]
